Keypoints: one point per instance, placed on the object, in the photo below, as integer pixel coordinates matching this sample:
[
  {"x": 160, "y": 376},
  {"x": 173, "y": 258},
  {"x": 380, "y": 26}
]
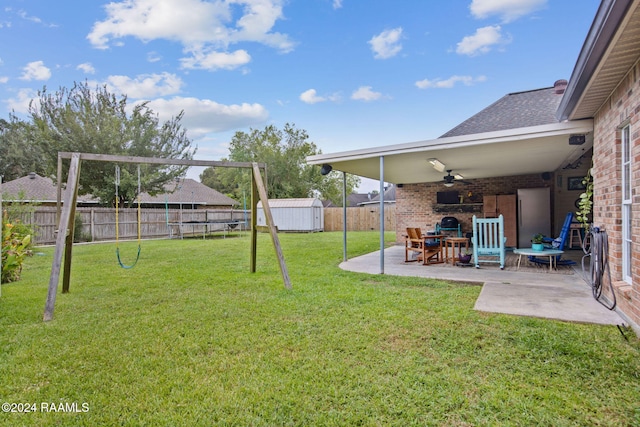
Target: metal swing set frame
[{"x": 67, "y": 210}]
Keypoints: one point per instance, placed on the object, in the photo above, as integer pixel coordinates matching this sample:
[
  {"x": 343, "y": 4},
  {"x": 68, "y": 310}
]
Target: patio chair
[
  {"x": 557, "y": 243},
  {"x": 428, "y": 248},
  {"x": 488, "y": 240}
]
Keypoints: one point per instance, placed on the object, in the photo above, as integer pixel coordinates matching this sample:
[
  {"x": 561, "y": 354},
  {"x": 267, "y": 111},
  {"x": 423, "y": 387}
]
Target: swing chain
[{"x": 139, "y": 219}]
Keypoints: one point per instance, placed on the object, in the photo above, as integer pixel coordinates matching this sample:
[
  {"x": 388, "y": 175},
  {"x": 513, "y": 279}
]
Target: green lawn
[{"x": 190, "y": 337}]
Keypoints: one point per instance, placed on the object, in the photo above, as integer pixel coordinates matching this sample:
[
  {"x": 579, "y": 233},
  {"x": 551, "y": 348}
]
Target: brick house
[
  {"x": 544, "y": 138},
  {"x": 605, "y": 88}
]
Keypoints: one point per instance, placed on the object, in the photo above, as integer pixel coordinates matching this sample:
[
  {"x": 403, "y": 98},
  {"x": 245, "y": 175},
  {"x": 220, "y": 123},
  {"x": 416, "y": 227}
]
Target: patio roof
[{"x": 519, "y": 151}]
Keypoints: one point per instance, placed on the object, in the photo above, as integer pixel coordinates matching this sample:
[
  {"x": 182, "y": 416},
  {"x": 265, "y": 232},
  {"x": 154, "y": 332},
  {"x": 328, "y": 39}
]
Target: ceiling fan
[{"x": 449, "y": 179}]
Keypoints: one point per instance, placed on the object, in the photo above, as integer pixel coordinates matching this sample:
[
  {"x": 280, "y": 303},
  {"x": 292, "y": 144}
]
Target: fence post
[{"x": 92, "y": 225}]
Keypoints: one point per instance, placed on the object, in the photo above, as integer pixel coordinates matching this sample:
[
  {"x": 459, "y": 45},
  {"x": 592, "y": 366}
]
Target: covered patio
[
  {"x": 515, "y": 143},
  {"x": 561, "y": 296}
]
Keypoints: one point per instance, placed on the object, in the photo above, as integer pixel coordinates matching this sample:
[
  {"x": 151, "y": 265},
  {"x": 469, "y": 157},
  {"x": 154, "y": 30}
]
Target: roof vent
[
  {"x": 32, "y": 175},
  {"x": 559, "y": 86}
]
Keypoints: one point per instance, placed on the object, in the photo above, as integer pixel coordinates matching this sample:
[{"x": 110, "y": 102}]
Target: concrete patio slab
[{"x": 557, "y": 296}]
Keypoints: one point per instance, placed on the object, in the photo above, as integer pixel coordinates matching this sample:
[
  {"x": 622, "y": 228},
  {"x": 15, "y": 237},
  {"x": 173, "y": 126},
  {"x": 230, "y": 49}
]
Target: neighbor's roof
[
  {"x": 514, "y": 110},
  {"x": 188, "y": 191},
  {"x": 36, "y": 188},
  {"x": 354, "y": 199},
  {"x": 389, "y": 196}
]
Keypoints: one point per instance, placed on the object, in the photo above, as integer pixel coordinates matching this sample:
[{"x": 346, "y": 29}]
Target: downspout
[{"x": 381, "y": 214}]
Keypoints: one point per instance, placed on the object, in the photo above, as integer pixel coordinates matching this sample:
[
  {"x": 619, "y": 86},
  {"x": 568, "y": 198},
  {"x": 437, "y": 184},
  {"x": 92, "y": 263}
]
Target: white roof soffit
[
  {"x": 511, "y": 152},
  {"x": 609, "y": 51}
]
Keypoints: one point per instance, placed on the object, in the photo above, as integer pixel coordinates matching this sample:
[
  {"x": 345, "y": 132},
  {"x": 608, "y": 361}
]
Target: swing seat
[{"x": 123, "y": 265}]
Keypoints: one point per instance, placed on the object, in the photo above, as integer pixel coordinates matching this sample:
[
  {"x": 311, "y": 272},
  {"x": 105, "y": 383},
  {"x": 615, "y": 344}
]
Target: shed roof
[
  {"x": 293, "y": 203},
  {"x": 514, "y": 110}
]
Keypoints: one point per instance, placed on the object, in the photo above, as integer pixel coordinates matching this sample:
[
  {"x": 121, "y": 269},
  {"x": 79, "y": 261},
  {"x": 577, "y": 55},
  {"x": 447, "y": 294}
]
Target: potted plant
[
  {"x": 537, "y": 242},
  {"x": 465, "y": 257}
]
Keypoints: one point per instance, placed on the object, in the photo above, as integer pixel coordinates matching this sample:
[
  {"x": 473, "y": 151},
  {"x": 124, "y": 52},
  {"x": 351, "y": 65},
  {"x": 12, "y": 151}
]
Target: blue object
[
  {"x": 558, "y": 243},
  {"x": 488, "y": 240},
  {"x": 440, "y": 229}
]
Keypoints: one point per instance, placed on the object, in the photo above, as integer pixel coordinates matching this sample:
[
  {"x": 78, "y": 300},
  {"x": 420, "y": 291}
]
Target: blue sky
[{"x": 352, "y": 73}]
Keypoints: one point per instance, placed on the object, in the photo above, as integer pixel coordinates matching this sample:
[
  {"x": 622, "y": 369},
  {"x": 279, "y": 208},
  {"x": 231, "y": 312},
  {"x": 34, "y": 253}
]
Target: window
[{"x": 627, "y": 217}]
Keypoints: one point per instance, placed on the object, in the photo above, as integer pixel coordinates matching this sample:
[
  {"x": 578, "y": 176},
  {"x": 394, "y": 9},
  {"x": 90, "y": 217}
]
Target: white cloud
[
  {"x": 153, "y": 56},
  {"x": 202, "y": 116},
  {"x": 36, "y": 70},
  {"x": 508, "y": 10},
  {"x": 386, "y": 44},
  {"x": 337, "y": 4},
  {"x": 216, "y": 60},
  {"x": 145, "y": 85},
  {"x": 450, "y": 82},
  {"x": 364, "y": 93},
  {"x": 200, "y": 26},
  {"x": 311, "y": 97},
  {"x": 482, "y": 41},
  {"x": 4, "y": 79},
  {"x": 20, "y": 103},
  {"x": 87, "y": 68}
]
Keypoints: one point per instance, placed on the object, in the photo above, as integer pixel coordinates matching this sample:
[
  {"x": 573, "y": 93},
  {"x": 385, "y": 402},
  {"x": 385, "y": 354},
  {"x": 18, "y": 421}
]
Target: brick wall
[
  {"x": 415, "y": 202},
  {"x": 622, "y": 106}
]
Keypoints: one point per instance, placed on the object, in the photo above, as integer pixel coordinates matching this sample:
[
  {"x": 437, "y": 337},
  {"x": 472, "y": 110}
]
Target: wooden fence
[
  {"x": 360, "y": 218},
  {"x": 96, "y": 224}
]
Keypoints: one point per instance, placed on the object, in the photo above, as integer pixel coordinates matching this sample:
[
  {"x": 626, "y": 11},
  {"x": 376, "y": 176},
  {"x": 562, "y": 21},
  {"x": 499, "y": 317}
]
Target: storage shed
[{"x": 304, "y": 215}]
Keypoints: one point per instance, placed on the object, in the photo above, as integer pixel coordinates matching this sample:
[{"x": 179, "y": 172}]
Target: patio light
[{"x": 437, "y": 165}]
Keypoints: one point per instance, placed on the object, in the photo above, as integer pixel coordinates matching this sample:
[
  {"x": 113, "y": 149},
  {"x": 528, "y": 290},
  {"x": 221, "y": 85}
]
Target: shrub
[
  {"x": 16, "y": 245},
  {"x": 78, "y": 234}
]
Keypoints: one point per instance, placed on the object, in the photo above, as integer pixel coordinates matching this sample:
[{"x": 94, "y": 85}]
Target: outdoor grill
[{"x": 449, "y": 222}]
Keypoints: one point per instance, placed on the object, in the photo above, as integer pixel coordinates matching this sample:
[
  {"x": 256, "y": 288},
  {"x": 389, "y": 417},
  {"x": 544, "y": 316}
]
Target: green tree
[
  {"x": 288, "y": 174},
  {"x": 95, "y": 121},
  {"x": 18, "y": 156}
]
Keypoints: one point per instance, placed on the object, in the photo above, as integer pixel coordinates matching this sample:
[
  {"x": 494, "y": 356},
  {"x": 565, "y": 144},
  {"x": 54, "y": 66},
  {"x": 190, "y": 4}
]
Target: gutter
[
  {"x": 541, "y": 131},
  {"x": 608, "y": 18}
]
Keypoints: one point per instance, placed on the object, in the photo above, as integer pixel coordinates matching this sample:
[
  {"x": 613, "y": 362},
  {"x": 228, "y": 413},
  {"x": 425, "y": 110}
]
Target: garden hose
[{"x": 598, "y": 265}]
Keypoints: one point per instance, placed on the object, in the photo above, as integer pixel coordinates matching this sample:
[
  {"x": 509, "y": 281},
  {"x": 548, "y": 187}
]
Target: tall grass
[{"x": 190, "y": 337}]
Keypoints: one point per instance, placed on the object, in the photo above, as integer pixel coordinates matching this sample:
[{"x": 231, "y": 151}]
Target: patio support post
[
  {"x": 344, "y": 216},
  {"x": 1, "y": 213},
  {"x": 381, "y": 214}
]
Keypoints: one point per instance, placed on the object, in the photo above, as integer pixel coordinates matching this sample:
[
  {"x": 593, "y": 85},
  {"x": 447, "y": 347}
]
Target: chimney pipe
[{"x": 559, "y": 86}]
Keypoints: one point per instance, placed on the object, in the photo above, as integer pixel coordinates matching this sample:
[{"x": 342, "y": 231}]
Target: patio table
[
  {"x": 551, "y": 253},
  {"x": 454, "y": 242}
]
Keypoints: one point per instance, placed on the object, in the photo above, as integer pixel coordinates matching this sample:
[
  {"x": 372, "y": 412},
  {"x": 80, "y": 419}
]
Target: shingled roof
[
  {"x": 189, "y": 191},
  {"x": 515, "y": 110},
  {"x": 389, "y": 196},
  {"x": 36, "y": 188}
]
